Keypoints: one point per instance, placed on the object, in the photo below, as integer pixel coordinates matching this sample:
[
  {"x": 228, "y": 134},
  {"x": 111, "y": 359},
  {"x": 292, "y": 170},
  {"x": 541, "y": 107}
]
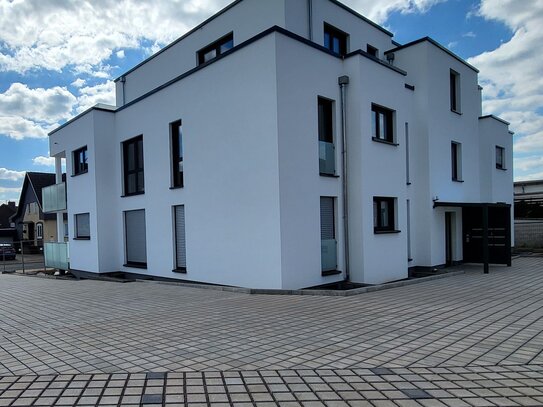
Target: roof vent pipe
[{"x": 343, "y": 81}]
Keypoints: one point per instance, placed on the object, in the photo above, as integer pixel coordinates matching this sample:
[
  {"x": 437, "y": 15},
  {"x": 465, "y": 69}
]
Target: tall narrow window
[
  {"x": 177, "y": 153},
  {"x": 133, "y": 166},
  {"x": 407, "y": 170},
  {"x": 454, "y": 78},
  {"x": 327, "y": 165},
  {"x": 135, "y": 239},
  {"x": 39, "y": 231},
  {"x": 335, "y": 40},
  {"x": 409, "y": 256},
  {"x": 382, "y": 124},
  {"x": 456, "y": 161},
  {"x": 180, "y": 244},
  {"x": 82, "y": 226},
  {"x": 383, "y": 214},
  {"x": 80, "y": 165},
  {"x": 328, "y": 235},
  {"x": 215, "y": 49},
  {"x": 500, "y": 158}
]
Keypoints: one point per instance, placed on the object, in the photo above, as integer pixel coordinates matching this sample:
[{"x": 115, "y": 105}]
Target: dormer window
[
  {"x": 215, "y": 49},
  {"x": 335, "y": 40}
]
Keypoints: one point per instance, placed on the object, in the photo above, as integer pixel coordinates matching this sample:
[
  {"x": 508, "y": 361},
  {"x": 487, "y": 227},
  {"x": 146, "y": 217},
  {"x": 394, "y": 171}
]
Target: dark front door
[{"x": 499, "y": 232}]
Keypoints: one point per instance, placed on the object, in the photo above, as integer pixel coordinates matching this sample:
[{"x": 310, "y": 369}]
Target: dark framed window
[
  {"x": 80, "y": 164},
  {"x": 82, "y": 226},
  {"x": 456, "y": 161},
  {"x": 383, "y": 214},
  {"x": 176, "y": 144},
  {"x": 135, "y": 238},
  {"x": 327, "y": 164},
  {"x": 454, "y": 83},
  {"x": 328, "y": 235},
  {"x": 180, "y": 242},
  {"x": 335, "y": 40},
  {"x": 372, "y": 51},
  {"x": 500, "y": 158},
  {"x": 382, "y": 123},
  {"x": 133, "y": 166},
  {"x": 215, "y": 49}
]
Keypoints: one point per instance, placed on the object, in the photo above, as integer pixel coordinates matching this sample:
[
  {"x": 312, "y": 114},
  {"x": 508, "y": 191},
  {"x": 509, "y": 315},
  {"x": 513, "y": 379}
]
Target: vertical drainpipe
[
  {"x": 310, "y": 19},
  {"x": 343, "y": 81},
  {"x": 123, "y": 81}
]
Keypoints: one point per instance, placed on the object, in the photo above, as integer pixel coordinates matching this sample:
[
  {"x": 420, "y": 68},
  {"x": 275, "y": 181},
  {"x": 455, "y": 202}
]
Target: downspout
[
  {"x": 123, "y": 81},
  {"x": 343, "y": 81},
  {"x": 310, "y": 19}
]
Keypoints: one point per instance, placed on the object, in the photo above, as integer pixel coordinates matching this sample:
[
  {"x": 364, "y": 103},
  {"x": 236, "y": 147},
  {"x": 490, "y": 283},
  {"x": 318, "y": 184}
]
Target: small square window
[
  {"x": 80, "y": 164},
  {"x": 382, "y": 124},
  {"x": 82, "y": 226},
  {"x": 500, "y": 158},
  {"x": 372, "y": 51},
  {"x": 383, "y": 214}
]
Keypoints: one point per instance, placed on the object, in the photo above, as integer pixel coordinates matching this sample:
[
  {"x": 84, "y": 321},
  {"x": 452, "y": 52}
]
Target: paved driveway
[{"x": 471, "y": 339}]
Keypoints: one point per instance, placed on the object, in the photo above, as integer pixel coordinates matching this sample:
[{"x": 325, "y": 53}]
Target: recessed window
[
  {"x": 82, "y": 226},
  {"x": 500, "y": 158},
  {"x": 176, "y": 144},
  {"x": 383, "y": 214},
  {"x": 215, "y": 49},
  {"x": 335, "y": 40},
  {"x": 328, "y": 235},
  {"x": 382, "y": 124},
  {"x": 180, "y": 243},
  {"x": 454, "y": 78},
  {"x": 456, "y": 161},
  {"x": 133, "y": 166},
  {"x": 372, "y": 51},
  {"x": 80, "y": 161},
  {"x": 135, "y": 238},
  {"x": 327, "y": 165}
]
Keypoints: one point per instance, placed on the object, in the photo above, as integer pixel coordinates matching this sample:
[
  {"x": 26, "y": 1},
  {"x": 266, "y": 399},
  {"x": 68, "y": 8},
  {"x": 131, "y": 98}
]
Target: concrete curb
[{"x": 327, "y": 293}]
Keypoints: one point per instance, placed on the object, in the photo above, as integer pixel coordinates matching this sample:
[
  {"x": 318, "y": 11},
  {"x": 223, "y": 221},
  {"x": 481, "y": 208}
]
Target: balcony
[
  {"x": 57, "y": 256},
  {"x": 328, "y": 255},
  {"x": 54, "y": 198},
  {"x": 327, "y": 158}
]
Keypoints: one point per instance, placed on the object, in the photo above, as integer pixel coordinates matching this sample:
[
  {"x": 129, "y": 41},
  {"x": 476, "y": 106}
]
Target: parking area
[{"x": 466, "y": 340}]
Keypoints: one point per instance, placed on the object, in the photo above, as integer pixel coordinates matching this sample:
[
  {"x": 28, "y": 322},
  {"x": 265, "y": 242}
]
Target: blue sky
[{"x": 58, "y": 57}]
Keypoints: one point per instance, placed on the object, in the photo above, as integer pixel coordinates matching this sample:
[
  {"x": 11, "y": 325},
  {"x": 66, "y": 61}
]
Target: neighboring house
[
  {"x": 32, "y": 224},
  {"x": 529, "y": 214},
  {"x": 7, "y": 228},
  {"x": 287, "y": 144}
]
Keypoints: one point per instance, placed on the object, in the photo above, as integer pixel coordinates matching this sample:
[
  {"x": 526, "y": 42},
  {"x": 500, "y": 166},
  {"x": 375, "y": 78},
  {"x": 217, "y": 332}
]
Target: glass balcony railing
[
  {"x": 54, "y": 198},
  {"x": 327, "y": 158},
  {"x": 56, "y": 255},
  {"x": 328, "y": 255}
]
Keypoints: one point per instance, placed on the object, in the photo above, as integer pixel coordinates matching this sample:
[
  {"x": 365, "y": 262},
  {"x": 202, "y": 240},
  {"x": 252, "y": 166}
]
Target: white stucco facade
[{"x": 250, "y": 139}]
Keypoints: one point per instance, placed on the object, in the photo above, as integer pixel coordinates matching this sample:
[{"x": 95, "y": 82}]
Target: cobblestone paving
[{"x": 467, "y": 340}]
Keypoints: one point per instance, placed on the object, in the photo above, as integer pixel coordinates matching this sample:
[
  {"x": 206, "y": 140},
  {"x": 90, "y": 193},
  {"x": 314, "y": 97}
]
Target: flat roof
[
  {"x": 436, "y": 44},
  {"x": 491, "y": 116}
]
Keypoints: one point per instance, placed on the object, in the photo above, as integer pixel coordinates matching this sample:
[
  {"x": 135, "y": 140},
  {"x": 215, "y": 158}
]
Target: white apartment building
[{"x": 285, "y": 144}]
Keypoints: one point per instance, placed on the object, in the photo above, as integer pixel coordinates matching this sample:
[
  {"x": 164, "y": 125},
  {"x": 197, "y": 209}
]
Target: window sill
[
  {"x": 457, "y": 180},
  {"x": 180, "y": 270},
  {"x": 501, "y": 169},
  {"x": 330, "y": 273},
  {"x": 81, "y": 238},
  {"x": 386, "y": 232},
  {"x": 181, "y": 187},
  {"x": 80, "y": 173},
  {"x": 457, "y": 112},
  {"x": 322, "y": 174},
  {"x": 133, "y": 194},
  {"x": 136, "y": 265},
  {"x": 390, "y": 143}
]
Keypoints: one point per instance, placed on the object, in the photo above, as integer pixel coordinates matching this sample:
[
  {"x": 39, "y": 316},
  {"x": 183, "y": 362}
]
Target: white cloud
[
  {"x": 53, "y": 34},
  {"x": 19, "y": 128},
  {"x": 11, "y": 175},
  {"x": 40, "y": 105},
  {"x": 511, "y": 76},
  {"x": 379, "y": 11},
  {"x": 9, "y": 194},
  {"x": 91, "y": 95},
  {"x": 120, "y": 54},
  {"x": 452, "y": 44},
  {"x": 44, "y": 161},
  {"x": 79, "y": 82},
  {"x": 469, "y": 34}
]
